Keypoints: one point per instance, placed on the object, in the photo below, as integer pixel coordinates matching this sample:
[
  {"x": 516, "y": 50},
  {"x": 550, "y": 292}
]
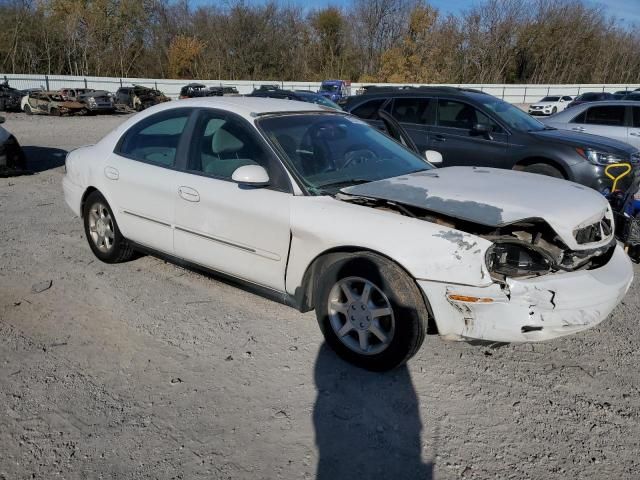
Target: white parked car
[
  {"x": 550, "y": 105},
  {"x": 319, "y": 210},
  {"x": 617, "y": 119}
]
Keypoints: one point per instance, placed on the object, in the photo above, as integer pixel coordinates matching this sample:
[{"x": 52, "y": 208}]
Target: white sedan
[
  {"x": 318, "y": 210},
  {"x": 550, "y": 105}
]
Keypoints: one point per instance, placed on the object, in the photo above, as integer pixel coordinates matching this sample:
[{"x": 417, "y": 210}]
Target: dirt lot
[{"x": 147, "y": 370}]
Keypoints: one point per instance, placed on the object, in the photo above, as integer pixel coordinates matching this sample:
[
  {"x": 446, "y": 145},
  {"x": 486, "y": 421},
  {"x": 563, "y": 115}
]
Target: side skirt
[{"x": 266, "y": 292}]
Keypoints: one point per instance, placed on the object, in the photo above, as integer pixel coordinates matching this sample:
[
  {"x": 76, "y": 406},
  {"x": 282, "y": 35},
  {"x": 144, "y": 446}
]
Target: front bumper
[
  {"x": 540, "y": 113},
  {"x": 534, "y": 309}
]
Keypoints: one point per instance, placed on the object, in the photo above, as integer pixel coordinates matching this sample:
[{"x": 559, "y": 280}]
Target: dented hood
[{"x": 494, "y": 197}]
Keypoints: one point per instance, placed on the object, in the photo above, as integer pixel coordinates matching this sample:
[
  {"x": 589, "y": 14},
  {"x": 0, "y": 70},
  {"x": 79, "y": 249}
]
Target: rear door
[
  {"x": 140, "y": 177},
  {"x": 606, "y": 120},
  {"x": 415, "y": 115},
  {"x": 455, "y": 138}
]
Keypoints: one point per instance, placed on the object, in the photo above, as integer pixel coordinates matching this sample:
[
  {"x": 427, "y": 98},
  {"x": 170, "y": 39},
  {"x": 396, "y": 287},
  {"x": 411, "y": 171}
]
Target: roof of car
[
  {"x": 249, "y": 107},
  {"x": 392, "y": 91}
]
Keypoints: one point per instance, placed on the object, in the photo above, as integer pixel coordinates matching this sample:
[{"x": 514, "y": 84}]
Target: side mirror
[
  {"x": 482, "y": 129},
  {"x": 251, "y": 176},
  {"x": 2, "y": 119},
  {"x": 433, "y": 157}
]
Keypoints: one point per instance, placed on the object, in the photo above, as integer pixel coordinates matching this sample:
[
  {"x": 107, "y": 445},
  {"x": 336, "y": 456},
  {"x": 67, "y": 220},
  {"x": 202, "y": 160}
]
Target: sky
[{"x": 626, "y": 11}]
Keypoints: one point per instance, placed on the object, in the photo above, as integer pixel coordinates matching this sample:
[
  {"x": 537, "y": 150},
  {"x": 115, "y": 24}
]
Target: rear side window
[
  {"x": 369, "y": 110},
  {"x": 566, "y": 98},
  {"x": 155, "y": 139},
  {"x": 411, "y": 110},
  {"x": 610, "y": 115},
  {"x": 636, "y": 117}
]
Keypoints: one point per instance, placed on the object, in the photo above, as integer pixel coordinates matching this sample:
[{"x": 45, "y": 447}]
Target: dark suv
[{"x": 469, "y": 127}]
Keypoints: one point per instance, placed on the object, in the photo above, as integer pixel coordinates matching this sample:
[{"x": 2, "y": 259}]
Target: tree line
[{"x": 495, "y": 41}]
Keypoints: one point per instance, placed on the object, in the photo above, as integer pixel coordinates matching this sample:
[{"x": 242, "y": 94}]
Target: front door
[
  {"x": 605, "y": 120},
  {"x": 238, "y": 230},
  {"x": 455, "y": 138}
]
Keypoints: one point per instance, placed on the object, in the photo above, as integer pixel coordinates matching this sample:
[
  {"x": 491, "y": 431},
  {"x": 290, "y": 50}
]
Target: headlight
[
  {"x": 599, "y": 158},
  {"x": 516, "y": 259}
]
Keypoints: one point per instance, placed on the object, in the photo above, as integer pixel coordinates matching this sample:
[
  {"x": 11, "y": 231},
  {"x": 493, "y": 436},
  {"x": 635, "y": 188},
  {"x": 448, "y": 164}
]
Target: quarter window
[
  {"x": 610, "y": 115},
  {"x": 155, "y": 139}
]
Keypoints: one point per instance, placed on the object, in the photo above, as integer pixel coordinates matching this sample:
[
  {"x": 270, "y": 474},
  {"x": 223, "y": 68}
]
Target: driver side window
[
  {"x": 461, "y": 115},
  {"x": 222, "y": 143}
]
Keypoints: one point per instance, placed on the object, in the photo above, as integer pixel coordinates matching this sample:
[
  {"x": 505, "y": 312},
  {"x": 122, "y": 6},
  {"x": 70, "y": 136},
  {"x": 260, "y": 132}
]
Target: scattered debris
[{"x": 175, "y": 380}]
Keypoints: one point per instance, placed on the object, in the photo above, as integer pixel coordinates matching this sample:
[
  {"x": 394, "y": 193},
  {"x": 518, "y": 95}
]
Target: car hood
[
  {"x": 494, "y": 197},
  {"x": 584, "y": 140}
]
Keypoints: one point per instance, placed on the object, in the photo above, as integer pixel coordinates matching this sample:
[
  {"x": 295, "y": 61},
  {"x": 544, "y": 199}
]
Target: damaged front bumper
[{"x": 530, "y": 310}]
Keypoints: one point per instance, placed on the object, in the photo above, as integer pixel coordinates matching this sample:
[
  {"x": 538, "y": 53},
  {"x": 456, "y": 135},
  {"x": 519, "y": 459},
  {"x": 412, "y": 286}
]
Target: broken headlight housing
[{"x": 517, "y": 259}]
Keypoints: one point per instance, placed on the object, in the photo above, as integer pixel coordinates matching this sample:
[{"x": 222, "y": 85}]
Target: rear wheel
[
  {"x": 103, "y": 234},
  {"x": 543, "y": 169},
  {"x": 370, "y": 311},
  {"x": 54, "y": 112}
]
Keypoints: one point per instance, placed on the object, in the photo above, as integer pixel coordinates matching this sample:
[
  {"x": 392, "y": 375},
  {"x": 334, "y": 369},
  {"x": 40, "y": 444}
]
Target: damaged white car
[{"x": 318, "y": 210}]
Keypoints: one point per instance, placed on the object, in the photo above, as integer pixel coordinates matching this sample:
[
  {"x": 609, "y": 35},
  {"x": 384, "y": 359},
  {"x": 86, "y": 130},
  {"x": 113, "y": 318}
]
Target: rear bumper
[
  {"x": 534, "y": 309},
  {"x": 72, "y": 195}
]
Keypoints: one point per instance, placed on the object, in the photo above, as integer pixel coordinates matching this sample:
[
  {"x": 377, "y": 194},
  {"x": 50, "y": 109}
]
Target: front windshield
[
  {"x": 329, "y": 87},
  {"x": 331, "y": 151},
  {"x": 512, "y": 116},
  {"x": 550, "y": 99},
  {"x": 320, "y": 100}
]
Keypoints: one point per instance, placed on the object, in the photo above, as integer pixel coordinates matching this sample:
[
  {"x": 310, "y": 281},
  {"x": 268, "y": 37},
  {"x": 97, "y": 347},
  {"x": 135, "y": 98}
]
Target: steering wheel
[{"x": 358, "y": 154}]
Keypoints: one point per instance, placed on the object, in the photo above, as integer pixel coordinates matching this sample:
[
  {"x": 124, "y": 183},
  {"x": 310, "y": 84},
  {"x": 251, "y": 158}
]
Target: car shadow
[
  {"x": 367, "y": 424},
  {"x": 40, "y": 159}
]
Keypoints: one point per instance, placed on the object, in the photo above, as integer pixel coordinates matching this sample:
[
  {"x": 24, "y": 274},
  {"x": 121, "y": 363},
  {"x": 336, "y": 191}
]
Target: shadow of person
[{"x": 367, "y": 424}]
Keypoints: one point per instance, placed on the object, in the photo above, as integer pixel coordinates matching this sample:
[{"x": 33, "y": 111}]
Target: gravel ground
[{"x": 147, "y": 370}]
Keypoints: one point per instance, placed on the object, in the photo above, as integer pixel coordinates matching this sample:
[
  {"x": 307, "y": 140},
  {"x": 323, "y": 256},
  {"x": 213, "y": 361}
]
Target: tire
[
  {"x": 554, "y": 111},
  {"x": 3, "y": 105},
  {"x": 27, "y": 110},
  {"x": 102, "y": 232},
  {"x": 54, "y": 112},
  {"x": 543, "y": 169},
  {"x": 391, "y": 290}
]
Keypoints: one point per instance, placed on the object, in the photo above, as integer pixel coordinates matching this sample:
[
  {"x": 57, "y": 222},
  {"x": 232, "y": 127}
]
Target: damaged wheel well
[{"x": 304, "y": 293}]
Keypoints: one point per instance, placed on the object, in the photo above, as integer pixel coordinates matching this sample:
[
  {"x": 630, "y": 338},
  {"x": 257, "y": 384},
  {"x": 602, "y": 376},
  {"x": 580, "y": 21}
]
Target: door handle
[
  {"x": 111, "y": 173},
  {"x": 578, "y": 129},
  {"x": 189, "y": 194},
  {"x": 439, "y": 138}
]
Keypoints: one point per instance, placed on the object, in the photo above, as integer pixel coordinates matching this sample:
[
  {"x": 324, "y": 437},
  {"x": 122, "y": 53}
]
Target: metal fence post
[
  {"x": 524, "y": 98},
  {"x": 503, "y": 87},
  {"x": 46, "y": 81},
  {"x": 85, "y": 82}
]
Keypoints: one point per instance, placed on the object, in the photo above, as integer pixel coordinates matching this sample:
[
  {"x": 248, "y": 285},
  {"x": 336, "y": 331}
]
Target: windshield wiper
[{"x": 345, "y": 183}]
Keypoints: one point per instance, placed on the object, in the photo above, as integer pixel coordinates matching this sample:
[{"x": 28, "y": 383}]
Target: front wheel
[
  {"x": 103, "y": 234},
  {"x": 543, "y": 169},
  {"x": 370, "y": 311},
  {"x": 27, "y": 110}
]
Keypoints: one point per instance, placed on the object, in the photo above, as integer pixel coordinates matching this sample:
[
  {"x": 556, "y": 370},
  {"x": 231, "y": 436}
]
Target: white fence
[{"x": 510, "y": 92}]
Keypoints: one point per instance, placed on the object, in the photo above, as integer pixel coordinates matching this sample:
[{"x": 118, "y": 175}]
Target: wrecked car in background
[
  {"x": 139, "y": 98},
  {"x": 195, "y": 90},
  {"x": 95, "y": 101},
  {"x": 9, "y": 98},
  {"x": 12, "y": 158},
  {"x": 319, "y": 210},
  {"x": 50, "y": 103}
]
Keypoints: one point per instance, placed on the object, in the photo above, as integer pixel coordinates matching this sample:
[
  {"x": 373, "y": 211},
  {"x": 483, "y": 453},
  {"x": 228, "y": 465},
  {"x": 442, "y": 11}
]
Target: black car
[
  {"x": 196, "y": 90},
  {"x": 139, "y": 97},
  {"x": 591, "y": 97},
  {"x": 635, "y": 96},
  {"x": 469, "y": 127},
  {"x": 298, "y": 95},
  {"x": 9, "y": 98}
]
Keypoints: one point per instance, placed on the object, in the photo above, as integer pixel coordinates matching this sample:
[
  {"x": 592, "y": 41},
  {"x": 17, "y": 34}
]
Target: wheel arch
[
  {"x": 303, "y": 295},
  {"x": 532, "y": 160}
]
